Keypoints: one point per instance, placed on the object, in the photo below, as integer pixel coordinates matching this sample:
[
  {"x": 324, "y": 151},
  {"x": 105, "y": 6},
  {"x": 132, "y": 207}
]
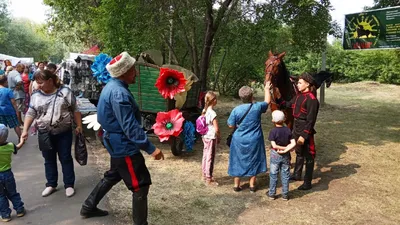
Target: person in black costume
[{"x": 305, "y": 110}]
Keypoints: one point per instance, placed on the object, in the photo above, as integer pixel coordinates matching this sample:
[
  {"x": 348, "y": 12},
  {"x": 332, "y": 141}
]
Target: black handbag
[
  {"x": 81, "y": 154},
  {"x": 44, "y": 136},
  {"x": 229, "y": 138}
]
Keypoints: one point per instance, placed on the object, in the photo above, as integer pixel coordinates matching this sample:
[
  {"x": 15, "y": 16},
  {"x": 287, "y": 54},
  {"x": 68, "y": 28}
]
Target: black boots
[
  {"x": 139, "y": 206},
  {"x": 308, "y": 176},
  {"x": 96, "y": 212},
  {"x": 298, "y": 168},
  {"x": 89, "y": 207}
]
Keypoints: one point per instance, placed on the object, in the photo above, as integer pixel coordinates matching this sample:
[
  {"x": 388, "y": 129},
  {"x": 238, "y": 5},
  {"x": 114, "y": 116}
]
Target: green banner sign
[{"x": 372, "y": 29}]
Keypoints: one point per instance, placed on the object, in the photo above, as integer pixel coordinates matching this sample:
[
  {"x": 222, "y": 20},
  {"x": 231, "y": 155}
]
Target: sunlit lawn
[{"x": 356, "y": 179}]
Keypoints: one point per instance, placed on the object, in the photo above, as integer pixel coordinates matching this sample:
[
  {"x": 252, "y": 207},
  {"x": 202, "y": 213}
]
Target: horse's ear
[
  {"x": 270, "y": 53},
  {"x": 280, "y": 56}
]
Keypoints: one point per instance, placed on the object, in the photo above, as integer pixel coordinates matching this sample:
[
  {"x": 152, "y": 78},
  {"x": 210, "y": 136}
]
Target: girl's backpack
[{"x": 201, "y": 125}]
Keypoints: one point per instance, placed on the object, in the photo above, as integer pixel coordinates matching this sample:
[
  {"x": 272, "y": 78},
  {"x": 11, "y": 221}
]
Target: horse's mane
[
  {"x": 285, "y": 71},
  {"x": 284, "y": 82}
]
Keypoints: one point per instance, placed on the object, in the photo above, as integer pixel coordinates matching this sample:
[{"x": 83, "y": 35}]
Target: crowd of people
[
  {"x": 47, "y": 103},
  {"x": 39, "y": 98}
]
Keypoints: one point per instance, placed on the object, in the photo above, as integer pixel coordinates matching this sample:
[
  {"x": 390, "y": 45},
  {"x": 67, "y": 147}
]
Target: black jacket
[{"x": 305, "y": 110}]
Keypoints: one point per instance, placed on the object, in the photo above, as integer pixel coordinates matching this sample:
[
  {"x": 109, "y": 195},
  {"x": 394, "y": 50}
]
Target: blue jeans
[
  {"x": 62, "y": 144},
  {"x": 278, "y": 163},
  {"x": 8, "y": 191}
]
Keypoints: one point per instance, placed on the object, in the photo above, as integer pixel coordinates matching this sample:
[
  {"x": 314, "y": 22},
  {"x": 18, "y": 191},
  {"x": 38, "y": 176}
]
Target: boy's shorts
[{"x": 10, "y": 120}]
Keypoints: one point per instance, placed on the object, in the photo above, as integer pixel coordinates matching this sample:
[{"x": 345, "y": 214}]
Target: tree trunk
[
  {"x": 219, "y": 70},
  {"x": 211, "y": 28},
  {"x": 208, "y": 40}
]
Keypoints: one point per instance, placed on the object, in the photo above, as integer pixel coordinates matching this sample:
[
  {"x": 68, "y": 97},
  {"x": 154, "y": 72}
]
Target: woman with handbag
[
  {"x": 54, "y": 108},
  {"x": 247, "y": 156}
]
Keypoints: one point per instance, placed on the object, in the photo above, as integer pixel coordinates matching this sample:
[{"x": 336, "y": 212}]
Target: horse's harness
[
  {"x": 273, "y": 75},
  {"x": 270, "y": 64}
]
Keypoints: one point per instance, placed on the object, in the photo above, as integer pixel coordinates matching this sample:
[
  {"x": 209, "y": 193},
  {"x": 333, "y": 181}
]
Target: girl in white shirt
[{"x": 210, "y": 139}]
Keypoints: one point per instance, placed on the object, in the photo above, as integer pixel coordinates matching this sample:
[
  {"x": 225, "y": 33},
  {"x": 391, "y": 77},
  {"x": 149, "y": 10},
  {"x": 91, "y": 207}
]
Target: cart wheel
[{"x": 176, "y": 144}]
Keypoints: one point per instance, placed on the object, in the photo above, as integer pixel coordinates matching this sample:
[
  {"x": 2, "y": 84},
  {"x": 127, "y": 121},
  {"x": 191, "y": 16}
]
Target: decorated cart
[{"x": 168, "y": 98}]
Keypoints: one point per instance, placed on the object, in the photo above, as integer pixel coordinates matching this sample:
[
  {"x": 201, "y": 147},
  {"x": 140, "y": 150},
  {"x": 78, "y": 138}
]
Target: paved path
[{"x": 57, "y": 209}]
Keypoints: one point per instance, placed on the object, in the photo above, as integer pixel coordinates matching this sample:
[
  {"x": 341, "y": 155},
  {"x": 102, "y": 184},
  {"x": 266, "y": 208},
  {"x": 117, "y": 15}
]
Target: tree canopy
[
  {"x": 224, "y": 42},
  {"x": 384, "y": 3},
  {"x": 195, "y": 32}
]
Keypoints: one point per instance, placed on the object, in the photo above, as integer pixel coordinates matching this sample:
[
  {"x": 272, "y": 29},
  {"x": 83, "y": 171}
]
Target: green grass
[{"x": 356, "y": 177}]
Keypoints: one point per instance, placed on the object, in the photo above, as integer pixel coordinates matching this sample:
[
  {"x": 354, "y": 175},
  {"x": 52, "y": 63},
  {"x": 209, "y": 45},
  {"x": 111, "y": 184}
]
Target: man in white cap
[{"x": 119, "y": 116}]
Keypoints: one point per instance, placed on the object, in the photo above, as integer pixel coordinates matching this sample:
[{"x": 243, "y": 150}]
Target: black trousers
[
  {"x": 305, "y": 152},
  {"x": 133, "y": 171}
]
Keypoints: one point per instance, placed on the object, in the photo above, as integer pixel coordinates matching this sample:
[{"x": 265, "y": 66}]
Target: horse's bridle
[
  {"x": 272, "y": 90},
  {"x": 271, "y": 74},
  {"x": 270, "y": 64}
]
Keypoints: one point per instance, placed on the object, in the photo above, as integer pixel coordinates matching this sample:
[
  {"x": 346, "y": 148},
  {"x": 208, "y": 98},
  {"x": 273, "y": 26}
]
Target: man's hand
[
  {"x": 158, "y": 155},
  {"x": 300, "y": 141},
  {"x": 78, "y": 130}
]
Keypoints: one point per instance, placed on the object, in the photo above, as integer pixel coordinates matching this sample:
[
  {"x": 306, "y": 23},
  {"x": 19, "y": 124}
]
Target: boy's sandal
[
  {"x": 237, "y": 189},
  {"x": 253, "y": 189}
]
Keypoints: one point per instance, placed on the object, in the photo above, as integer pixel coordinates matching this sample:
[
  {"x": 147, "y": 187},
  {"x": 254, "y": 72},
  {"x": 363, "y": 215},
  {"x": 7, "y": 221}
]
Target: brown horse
[{"x": 282, "y": 86}]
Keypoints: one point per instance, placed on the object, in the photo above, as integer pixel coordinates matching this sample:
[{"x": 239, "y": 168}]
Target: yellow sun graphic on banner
[{"x": 365, "y": 27}]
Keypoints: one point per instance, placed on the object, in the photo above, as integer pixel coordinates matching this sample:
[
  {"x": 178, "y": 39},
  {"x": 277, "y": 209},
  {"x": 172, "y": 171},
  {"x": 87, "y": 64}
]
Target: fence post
[{"x": 322, "y": 88}]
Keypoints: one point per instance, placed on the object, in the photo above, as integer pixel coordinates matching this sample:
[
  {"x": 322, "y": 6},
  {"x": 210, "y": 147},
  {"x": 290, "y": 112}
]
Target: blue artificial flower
[
  {"x": 99, "y": 68},
  {"x": 189, "y": 135}
]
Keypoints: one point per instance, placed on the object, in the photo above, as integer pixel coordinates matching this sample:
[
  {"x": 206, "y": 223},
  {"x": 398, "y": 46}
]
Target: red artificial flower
[
  {"x": 168, "y": 124},
  {"x": 170, "y": 82}
]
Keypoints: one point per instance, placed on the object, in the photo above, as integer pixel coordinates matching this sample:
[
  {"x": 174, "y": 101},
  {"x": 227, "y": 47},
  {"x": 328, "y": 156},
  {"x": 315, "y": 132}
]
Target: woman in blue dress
[{"x": 247, "y": 156}]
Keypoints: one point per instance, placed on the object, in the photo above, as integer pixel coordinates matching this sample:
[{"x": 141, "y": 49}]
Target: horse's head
[
  {"x": 272, "y": 66},
  {"x": 323, "y": 76},
  {"x": 328, "y": 81}
]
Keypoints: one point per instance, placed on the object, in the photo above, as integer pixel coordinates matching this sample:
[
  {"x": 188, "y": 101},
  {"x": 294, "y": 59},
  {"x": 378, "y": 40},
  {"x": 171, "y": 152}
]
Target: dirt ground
[{"x": 355, "y": 181}]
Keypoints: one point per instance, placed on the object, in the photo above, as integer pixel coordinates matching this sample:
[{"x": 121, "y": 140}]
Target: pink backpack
[{"x": 201, "y": 125}]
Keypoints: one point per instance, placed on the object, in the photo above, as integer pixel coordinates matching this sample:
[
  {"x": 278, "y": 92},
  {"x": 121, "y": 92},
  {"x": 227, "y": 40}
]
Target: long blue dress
[{"x": 247, "y": 151}]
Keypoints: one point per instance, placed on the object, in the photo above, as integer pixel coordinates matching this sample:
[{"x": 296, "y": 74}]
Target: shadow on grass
[
  {"x": 338, "y": 127},
  {"x": 334, "y": 172}
]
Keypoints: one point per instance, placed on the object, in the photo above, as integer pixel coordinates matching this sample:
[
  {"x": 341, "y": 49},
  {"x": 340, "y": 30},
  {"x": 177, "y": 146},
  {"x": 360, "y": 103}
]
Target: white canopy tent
[
  {"x": 13, "y": 60},
  {"x": 27, "y": 60}
]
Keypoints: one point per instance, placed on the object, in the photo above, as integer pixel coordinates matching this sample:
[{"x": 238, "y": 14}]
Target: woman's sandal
[
  {"x": 212, "y": 182},
  {"x": 253, "y": 189},
  {"x": 237, "y": 189}
]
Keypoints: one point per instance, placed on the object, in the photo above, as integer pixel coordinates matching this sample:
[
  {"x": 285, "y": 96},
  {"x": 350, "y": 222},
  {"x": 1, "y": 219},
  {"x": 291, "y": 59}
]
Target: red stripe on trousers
[
  {"x": 312, "y": 146},
  {"x": 135, "y": 183}
]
